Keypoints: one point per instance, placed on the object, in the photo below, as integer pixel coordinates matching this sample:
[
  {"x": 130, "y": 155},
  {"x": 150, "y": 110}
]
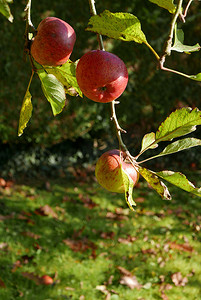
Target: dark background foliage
[{"x": 83, "y": 129}]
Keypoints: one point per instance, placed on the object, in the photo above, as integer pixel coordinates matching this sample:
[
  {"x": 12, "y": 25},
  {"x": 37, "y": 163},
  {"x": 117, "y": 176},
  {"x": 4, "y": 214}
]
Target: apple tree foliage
[{"x": 56, "y": 82}]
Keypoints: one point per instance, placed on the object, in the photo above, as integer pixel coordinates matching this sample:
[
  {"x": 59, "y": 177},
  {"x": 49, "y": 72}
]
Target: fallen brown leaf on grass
[
  {"x": 46, "y": 211},
  {"x": 178, "y": 280},
  {"x": 86, "y": 200},
  {"x": 31, "y": 235},
  {"x": 128, "y": 240},
  {"x": 183, "y": 247},
  {"x": 81, "y": 245},
  {"x": 128, "y": 279}
]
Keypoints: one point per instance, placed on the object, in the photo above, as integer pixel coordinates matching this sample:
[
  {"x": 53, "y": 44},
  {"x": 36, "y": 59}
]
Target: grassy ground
[{"x": 93, "y": 247}]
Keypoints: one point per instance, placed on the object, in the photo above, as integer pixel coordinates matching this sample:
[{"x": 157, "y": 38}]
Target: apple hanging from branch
[
  {"x": 53, "y": 43},
  {"x": 102, "y": 76},
  {"x": 109, "y": 168}
]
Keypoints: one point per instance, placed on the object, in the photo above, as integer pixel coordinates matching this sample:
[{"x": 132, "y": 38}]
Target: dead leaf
[
  {"x": 11, "y": 216},
  {"x": 102, "y": 289},
  {"x": 32, "y": 277},
  {"x": 31, "y": 235},
  {"x": 182, "y": 247},
  {"x": 2, "y": 182},
  {"x": 81, "y": 245},
  {"x": 178, "y": 280},
  {"x": 3, "y": 246},
  {"x": 128, "y": 240},
  {"x": 107, "y": 235},
  {"x": 46, "y": 211},
  {"x": 128, "y": 279},
  {"x": 87, "y": 201},
  {"x": 16, "y": 265},
  {"x": 68, "y": 288}
]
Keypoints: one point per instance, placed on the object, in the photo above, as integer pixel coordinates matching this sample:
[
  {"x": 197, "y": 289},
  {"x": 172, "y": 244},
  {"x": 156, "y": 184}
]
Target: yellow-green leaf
[
  {"x": 167, "y": 4},
  {"x": 128, "y": 185},
  {"x": 120, "y": 26},
  {"x": 25, "y": 113}
]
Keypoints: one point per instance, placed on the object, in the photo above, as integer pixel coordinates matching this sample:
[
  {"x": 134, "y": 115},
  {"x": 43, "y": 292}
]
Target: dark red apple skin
[
  {"x": 108, "y": 171},
  {"x": 53, "y": 43},
  {"x": 102, "y": 76}
]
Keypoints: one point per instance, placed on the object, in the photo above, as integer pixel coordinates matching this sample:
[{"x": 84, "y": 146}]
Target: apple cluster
[{"x": 101, "y": 76}]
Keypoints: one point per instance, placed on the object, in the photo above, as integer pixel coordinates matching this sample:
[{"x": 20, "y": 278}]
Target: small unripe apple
[
  {"x": 108, "y": 171},
  {"x": 53, "y": 43},
  {"x": 102, "y": 76},
  {"x": 46, "y": 280}
]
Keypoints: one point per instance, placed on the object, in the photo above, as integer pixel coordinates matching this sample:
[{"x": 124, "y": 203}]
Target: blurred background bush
[{"x": 83, "y": 130}]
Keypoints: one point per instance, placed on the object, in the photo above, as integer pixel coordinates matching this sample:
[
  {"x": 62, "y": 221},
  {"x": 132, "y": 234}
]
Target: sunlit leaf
[
  {"x": 179, "y": 146},
  {"x": 178, "y": 43},
  {"x": 179, "y": 180},
  {"x": 155, "y": 183},
  {"x": 25, "y": 113},
  {"x": 167, "y": 4},
  {"x": 66, "y": 74},
  {"x": 53, "y": 90},
  {"x": 5, "y": 10},
  {"x": 179, "y": 123},
  {"x": 128, "y": 185},
  {"x": 148, "y": 141},
  {"x": 120, "y": 26}
]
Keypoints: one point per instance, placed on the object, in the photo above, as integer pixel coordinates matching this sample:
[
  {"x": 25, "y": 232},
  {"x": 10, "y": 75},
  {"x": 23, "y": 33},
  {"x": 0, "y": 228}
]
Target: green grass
[{"x": 102, "y": 234}]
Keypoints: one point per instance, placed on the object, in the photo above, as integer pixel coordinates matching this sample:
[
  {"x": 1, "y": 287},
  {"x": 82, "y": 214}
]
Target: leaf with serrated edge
[
  {"x": 180, "y": 181},
  {"x": 25, "y": 113},
  {"x": 179, "y": 123},
  {"x": 167, "y": 4},
  {"x": 66, "y": 74},
  {"x": 53, "y": 91},
  {"x": 148, "y": 141},
  {"x": 128, "y": 185},
  {"x": 5, "y": 10},
  {"x": 120, "y": 26},
  {"x": 178, "y": 43},
  {"x": 155, "y": 183},
  {"x": 179, "y": 146}
]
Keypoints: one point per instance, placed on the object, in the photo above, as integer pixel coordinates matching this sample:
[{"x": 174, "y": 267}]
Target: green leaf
[
  {"x": 5, "y": 10},
  {"x": 178, "y": 43},
  {"x": 196, "y": 77},
  {"x": 120, "y": 26},
  {"x": 155, "y": 183},
  {"x": 180, "y": 181},
  {"x": 167, "y": 4},
  {"x": 148, "y": 142},
  {"x": 178, "y": 146},
  {"x": 128, "y": 185},
  {"x": 179, "y": 123},
  {"x": 25, "y": 113},
  {"x": 66, "y": 74},
  {"x": 53, "y": 90}
]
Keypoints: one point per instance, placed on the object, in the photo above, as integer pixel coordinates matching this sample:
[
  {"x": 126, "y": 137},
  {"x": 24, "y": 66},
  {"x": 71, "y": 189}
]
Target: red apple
[
  {"x": 53, "y": 43},
  {"x": 108, "y": 171},
  {"x": 101, "y": 76},
  {"x": 47, "y": 280}
]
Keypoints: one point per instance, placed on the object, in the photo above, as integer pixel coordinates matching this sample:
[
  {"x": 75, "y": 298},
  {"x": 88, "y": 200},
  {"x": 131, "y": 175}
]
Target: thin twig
[
  {"x": 168, "y": 46},
  {"x": 186, "y": 9},
  {"x": 29, "y": 25}
]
